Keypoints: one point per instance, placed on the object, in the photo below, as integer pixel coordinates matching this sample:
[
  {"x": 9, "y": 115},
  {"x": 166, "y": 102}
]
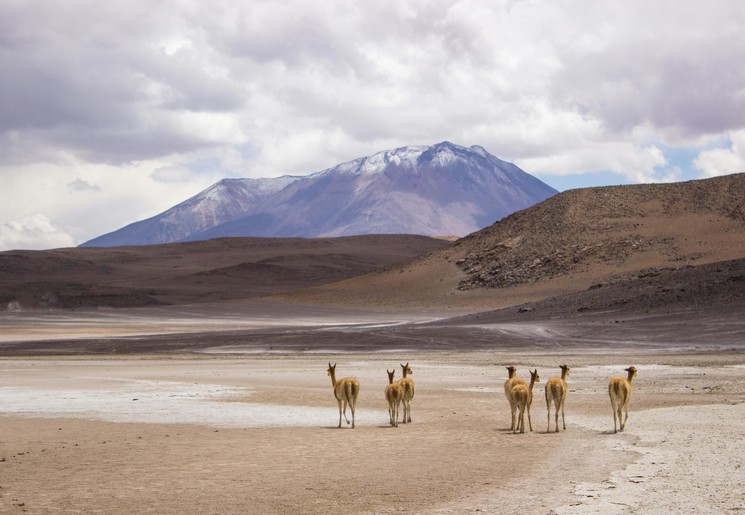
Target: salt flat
[{"x": 196, "y": 433}]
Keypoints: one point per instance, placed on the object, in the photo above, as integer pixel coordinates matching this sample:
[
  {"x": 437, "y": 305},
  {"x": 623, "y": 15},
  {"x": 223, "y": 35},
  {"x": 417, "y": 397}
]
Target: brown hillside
[
  {"x": 566, "y": 244},
  {"x": 610, "y": 230},
  {"x": 203, "y": 271}
]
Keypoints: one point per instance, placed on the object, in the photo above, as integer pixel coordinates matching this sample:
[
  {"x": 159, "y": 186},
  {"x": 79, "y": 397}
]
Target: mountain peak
[{"x": 439, "y": 190}]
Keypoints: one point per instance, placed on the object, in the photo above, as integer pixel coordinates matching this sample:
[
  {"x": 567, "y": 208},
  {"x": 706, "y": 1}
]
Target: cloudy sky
[{"x": 111, "y": 112}]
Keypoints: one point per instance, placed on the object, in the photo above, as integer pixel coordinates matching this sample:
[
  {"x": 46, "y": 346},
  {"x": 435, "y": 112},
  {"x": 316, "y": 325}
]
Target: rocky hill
[{"x": 610, "y": 229}]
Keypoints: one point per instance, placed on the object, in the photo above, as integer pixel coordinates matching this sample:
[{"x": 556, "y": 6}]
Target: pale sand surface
[
  {"x": 54, "y": 325},
  {"x": 257, "y": 434}
]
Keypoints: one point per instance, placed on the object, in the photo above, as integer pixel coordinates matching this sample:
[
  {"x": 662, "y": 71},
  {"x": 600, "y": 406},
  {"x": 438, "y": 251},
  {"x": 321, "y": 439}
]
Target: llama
[
  {"x": 394, "y": 393},
  {"x": 509, "y": 384},
  {"x": 407, "y": 384},
  {"x": 523, "y": 397},
  {"x": 556, "y": 391},
  {"x": 345, "y": 391},
  {"x": 619, "y": 389}
]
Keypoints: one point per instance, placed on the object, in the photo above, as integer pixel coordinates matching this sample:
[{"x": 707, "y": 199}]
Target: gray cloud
[
  {"x": 81, "y": 185},
  {"x": 672, "y": 65}
]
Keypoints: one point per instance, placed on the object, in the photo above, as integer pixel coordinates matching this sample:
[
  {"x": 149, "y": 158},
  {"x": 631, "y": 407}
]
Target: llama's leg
[
  {"x": 616, "y": 417},
  {"x": 351, "y": 406},
  {"x": 513, "y": 410},
  {"x": 344, "y": 403},
  {"x": 548, "y": 415},
  {"x": 563, "y": 422},
  {"x": 339, "y": 403},
  {"x": 522, "y": 419},
  {"x": 530, "y": 424},
  {"x": 556, "y": 415}
]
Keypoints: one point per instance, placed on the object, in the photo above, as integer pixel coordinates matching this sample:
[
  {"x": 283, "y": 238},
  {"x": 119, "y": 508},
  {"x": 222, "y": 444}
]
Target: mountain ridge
[{"x": 439, "y": 190}]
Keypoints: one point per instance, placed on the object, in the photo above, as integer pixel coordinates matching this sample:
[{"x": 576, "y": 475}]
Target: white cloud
[
  {"x": 33, "y": 232},
  {"x": 723, "y": 161},
  {"x": 127, "y": 194},
  {"x": 638, "y": 164}
]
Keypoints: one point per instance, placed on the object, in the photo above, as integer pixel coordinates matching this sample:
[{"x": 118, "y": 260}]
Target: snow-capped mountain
[{"x": 441, "y": 190}]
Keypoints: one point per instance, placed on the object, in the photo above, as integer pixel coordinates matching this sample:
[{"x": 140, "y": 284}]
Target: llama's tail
[
  {"x": 616, "y": 393},
  {"x": 351, "y": 390},
  {"x": 553, "y": 394}
]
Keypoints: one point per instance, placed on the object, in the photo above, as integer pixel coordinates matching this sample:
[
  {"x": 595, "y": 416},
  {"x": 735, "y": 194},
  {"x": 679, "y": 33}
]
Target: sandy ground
[{"x": 257, "y": 434}]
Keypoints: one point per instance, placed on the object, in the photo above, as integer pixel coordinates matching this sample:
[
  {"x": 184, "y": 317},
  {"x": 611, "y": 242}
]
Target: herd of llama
[{"x": 519, "y": 394}]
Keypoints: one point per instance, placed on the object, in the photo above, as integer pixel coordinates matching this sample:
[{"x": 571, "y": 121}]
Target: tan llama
[
  {"x": 345, "y": 391},
  {"x": 509, "y": 384},
  {"x": 394, "y": 394},
  {"x": 409, "y": 388},
  {"x": 556, "y": 392},
  {"x": 619, "y": 389},
  {"x": 523, "y": 397}
]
